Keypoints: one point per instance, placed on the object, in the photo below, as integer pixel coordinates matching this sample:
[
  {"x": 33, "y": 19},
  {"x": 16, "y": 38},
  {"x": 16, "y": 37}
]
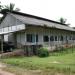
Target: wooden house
[{"x": 25, "y": 30}]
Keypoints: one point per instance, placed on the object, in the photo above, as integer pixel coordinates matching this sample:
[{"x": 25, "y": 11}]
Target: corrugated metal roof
[
  {"x": 37, "y": 17},
  {"x": 34, "y": 21}
]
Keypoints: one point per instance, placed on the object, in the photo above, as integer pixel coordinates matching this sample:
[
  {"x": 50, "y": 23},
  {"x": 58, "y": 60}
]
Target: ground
[
  {"x": 58, "y": 63},
  {"x": 2, "y": 72}
]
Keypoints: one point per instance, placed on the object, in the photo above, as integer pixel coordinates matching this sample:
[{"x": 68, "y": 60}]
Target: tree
[
  {"x": 11, "y": 7},
  {"x": 62, "y": 20},
  {"x": 6, "y": 8},
  {"x": 1, "y": 6}
]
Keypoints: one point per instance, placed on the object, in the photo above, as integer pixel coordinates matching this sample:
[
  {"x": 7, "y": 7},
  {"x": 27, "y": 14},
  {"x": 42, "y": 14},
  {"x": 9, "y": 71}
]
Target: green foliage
[
  {"x": 58, "y": 62},
  {"x": 62, "y": 20},
  {"x": 1, "y": 6},
  {"x": 6, "y": 8},
  {"x": 43, "y": 52},
  {"x": 11, "y": 7}
]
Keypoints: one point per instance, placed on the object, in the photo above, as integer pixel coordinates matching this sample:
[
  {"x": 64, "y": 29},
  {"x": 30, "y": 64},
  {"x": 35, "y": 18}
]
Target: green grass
[{"x": 57, "y": 62}]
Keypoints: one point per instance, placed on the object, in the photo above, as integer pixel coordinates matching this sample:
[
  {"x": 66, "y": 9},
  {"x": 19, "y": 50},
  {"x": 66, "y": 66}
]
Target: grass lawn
[{"x": 57, "y": 62}]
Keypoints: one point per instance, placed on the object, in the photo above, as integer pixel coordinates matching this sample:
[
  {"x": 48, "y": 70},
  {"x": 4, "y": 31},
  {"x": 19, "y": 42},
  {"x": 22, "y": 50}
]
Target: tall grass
[
  {"x": 58, "y": 61},
  {"x": 62, "y": 51}
]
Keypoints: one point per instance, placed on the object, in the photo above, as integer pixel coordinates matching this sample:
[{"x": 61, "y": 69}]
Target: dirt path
[{"x": 2, "y": 72}]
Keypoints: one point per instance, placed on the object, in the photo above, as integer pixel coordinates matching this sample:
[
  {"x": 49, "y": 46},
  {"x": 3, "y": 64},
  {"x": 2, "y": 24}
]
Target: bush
[{"x": 43, "y": 52}]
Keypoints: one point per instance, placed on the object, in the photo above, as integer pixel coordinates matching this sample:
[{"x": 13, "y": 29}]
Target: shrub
[{"x": 43, "y": 52}]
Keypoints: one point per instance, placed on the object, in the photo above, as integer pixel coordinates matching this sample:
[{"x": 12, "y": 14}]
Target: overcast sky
[{"x": 51, "y": 9}]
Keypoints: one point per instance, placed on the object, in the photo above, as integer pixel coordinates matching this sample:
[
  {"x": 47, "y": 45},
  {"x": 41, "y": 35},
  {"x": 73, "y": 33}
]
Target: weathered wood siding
[
  {"x": 10, "y": 21},
  {"x": 21, "y": 36},
  {"x": 36, "y": 26}
]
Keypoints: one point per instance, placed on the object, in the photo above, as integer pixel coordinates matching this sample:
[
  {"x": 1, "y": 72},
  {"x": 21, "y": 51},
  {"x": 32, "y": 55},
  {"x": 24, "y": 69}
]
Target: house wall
[
  {"x": 21, "y": 36},
  {"x": 10, "y": 21}
]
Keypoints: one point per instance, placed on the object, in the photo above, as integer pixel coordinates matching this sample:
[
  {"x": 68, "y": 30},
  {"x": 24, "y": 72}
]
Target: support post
[{"x": 1, "y": 43}]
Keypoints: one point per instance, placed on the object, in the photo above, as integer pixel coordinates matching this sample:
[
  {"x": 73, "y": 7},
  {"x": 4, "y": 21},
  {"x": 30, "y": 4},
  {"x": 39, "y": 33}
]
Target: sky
[{"x": 50, "y": 9}]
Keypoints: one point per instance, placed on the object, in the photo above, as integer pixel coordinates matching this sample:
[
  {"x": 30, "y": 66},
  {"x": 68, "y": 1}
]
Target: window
[
  {"x": 36, "y": 38},
  {"x": 66, "y": 37},
  {"x": 61, "y": 38},
  {"x": 70, "y": 37},
  {"x": 46, "y": 39},
  {"x": 55, "y": 38},
  {"x": 73, "y": 37},
  {"x": 32, "y": 38},
  {"x": 51, "y": 38},
  {"x": 29, "y": 38}
]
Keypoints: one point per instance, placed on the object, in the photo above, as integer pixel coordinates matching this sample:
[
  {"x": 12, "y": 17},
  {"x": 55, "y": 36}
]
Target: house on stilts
[{"x": 29, "y": 31}]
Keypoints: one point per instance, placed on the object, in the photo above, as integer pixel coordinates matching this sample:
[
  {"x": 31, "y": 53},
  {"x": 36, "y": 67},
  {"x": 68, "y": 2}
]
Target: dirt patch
[
  {"x": 5, "y": 73},
  {"x": 13, "y": 54},
  {"x": 2, "y": 65},
  {"x": 2, "y": 72}
]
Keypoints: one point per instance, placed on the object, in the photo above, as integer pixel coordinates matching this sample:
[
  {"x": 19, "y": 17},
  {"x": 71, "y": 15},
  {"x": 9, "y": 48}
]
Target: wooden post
[{"x": 1, "y": 43}]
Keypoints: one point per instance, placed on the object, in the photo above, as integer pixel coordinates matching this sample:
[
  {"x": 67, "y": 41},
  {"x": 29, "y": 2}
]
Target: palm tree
[
  {"x": 11, "y": 7},
  {"x": 5, "y": 8},
  {"x": 62, "y": 20}
]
